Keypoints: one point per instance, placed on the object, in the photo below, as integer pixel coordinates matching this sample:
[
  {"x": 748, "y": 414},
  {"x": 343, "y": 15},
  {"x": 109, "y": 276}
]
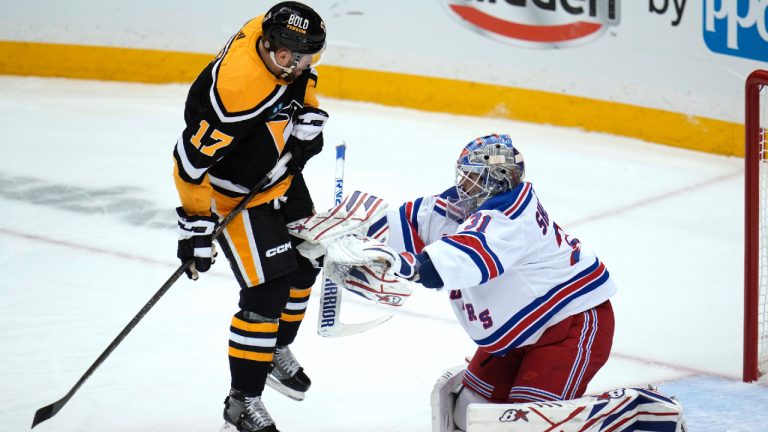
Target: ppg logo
[{"x": 737, "y": 27}]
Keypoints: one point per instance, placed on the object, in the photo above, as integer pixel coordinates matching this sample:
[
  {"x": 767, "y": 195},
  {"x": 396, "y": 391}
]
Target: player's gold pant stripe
[
  {"x": 249, "y": 355},
  {"x": 291, "y": 318},
  {"x": 300, "y": 293},
  {"x": 240, "y": 242},
  {"x": 254, "y": 327}
]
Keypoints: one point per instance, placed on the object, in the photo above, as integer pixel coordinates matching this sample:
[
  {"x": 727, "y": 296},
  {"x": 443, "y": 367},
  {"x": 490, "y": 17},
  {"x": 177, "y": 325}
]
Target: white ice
[{"x": 87, "y": 237}]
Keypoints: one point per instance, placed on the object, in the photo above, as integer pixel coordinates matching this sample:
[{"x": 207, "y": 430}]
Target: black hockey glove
[
  {"x": 196, "y": 241},
  {"x": 306, "y": 139}
]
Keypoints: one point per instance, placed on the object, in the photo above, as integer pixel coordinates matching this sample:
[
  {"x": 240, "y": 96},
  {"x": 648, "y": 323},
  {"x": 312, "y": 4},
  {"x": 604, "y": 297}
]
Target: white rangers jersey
[{"x": 511, "y": 270}]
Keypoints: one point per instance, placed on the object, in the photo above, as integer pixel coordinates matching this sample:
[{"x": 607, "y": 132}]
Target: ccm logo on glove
[{"x": 278, "y": 250}]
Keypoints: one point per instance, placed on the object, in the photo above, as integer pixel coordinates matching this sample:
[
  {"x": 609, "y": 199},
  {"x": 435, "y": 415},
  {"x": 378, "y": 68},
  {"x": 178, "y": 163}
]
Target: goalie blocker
[
  {"x": 622, "y": 409},
  {"x": 352, "y": 239},
  {"x": 358, "y": 215}
]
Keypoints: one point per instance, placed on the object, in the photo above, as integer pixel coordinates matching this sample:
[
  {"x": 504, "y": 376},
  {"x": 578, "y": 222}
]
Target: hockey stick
[
  {"x": 329, "y": 316},
  {"x": 49, "y": 411},
  {"x": 330, "y": 297}
]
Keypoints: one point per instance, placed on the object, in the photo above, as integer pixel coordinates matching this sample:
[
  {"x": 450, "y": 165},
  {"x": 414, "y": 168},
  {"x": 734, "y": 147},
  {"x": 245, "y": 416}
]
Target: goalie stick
[
  {"x": 49, "y": 411},
  {"x": 329, "y": 315}
]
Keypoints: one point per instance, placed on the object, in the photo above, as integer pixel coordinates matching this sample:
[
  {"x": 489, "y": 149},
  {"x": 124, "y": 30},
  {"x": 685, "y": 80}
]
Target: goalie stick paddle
[
  {"x": 329, "y": 316},
  {"x": 49, "y": 411}
]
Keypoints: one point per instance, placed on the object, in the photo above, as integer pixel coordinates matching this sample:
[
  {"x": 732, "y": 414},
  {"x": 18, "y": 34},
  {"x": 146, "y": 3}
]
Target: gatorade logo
[
  {"x": 537, "y": 23},
  {"x": 737, "y": 27}
]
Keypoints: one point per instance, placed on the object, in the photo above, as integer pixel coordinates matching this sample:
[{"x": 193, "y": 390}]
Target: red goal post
[{"x": 756, "y": 227}]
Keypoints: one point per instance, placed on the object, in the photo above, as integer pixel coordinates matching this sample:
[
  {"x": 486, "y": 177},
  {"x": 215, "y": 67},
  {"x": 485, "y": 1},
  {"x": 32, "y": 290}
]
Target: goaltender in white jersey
[
  {"x": 533, "y": 299},
  {"x": 512, "y": 272}
]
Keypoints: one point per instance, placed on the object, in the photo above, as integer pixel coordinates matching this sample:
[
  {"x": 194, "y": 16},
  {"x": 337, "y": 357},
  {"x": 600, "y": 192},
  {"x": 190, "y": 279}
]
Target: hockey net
[{"x": 756, "y": 228}]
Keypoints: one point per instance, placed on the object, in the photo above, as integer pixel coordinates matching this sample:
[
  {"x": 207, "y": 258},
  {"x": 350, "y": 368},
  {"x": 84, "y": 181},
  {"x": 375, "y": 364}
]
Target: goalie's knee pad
[
  {"x": 464, "y": 397},
  {"x": 444, "y": 397},
  {"x": 267, "y": 299}
]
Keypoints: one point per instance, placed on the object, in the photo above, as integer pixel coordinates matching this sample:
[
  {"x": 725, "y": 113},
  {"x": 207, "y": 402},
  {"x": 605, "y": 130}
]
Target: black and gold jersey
[{"x": 238, "y": 117}]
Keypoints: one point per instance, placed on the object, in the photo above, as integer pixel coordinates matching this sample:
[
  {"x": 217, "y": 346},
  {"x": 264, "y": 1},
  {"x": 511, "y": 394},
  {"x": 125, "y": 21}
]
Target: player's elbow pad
[{"x": 428, "y": 275}]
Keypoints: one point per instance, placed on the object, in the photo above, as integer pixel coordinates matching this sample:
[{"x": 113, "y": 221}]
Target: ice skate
[
  {"x": 287, "y": 376},
  {"x": 246, "y": 414}
]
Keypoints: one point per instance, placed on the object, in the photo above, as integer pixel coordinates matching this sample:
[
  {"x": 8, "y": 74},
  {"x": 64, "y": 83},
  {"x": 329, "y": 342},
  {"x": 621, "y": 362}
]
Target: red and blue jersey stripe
[
  {"x": 410, "y": 224},
  {"x": 476, "y": 384},
  {"x": 440, "y": 206},
  {"x": 441, "y": 202},
  {"x": 534, "y": 316},
  {"x": 474, "y": 244}
]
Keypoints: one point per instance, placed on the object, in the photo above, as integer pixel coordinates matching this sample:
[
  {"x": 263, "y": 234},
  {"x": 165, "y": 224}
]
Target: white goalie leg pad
[
  {"x": 360, "y": 214},
  {"x": 443, "y": 399},
  {"x": 623, "y": 409}
]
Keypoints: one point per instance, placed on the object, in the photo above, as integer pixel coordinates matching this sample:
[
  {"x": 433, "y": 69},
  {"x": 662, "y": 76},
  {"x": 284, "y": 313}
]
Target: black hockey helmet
[{"x": 294, "y": 26}]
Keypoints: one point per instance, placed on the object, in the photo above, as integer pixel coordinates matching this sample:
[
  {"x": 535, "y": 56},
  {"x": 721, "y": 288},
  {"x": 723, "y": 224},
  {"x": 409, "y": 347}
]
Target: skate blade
[{"x": 282, "y": 388}]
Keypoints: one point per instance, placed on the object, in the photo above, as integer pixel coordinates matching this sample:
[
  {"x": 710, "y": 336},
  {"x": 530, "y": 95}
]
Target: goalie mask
[{"x": 487, "y": 166}]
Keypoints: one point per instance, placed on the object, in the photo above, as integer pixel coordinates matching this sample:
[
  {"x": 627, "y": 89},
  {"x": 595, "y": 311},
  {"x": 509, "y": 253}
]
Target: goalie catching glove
[
  {"x": 371, "y": 269},
  {"x": 196, "y": 241}
]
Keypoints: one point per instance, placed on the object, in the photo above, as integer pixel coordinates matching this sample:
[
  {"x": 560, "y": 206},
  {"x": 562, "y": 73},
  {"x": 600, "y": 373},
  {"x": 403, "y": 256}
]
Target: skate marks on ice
[{"x": 117, "y": 201}]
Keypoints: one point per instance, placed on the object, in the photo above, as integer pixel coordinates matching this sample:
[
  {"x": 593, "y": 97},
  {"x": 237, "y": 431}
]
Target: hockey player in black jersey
[{"x": 255, "y": 101}]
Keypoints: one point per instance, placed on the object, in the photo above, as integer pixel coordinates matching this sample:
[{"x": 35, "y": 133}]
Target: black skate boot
[
  {"x": 287, "y": 376},
  {"x": 246, "y": 414}
]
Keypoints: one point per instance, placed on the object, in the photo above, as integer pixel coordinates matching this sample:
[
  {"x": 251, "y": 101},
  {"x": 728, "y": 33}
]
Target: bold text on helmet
[{"x": 298, "y": 24}]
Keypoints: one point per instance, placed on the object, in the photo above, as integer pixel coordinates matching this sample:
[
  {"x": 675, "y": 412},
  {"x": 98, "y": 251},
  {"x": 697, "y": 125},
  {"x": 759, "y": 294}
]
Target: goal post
[{"x": 756, "y": 227}]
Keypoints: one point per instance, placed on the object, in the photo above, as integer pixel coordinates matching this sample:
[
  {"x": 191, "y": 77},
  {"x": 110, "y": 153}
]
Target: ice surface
[{"x": 86, "y": 238}]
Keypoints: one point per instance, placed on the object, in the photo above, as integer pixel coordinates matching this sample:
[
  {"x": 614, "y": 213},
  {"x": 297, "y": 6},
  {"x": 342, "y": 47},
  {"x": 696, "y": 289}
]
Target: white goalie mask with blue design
[{"x": 487, "y": 166}]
